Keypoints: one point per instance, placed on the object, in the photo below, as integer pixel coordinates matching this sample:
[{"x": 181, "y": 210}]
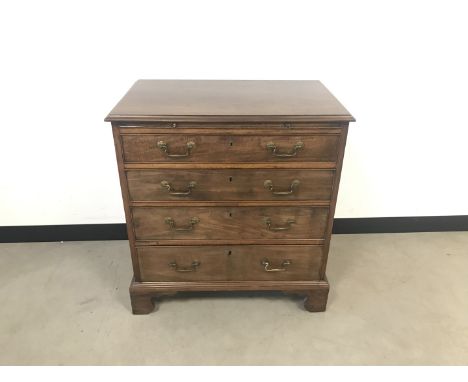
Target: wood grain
[
  {"x": 234, "y": 285},
  {"x": 229, "y": 148},
  {"x": 315, "y": 292},
  {"x": 239, "y": 100},
  {"x": 233, "y": 129},
  {"x": 126, "y": 199},
  {"x": 229, "y": 263},
  {"x": 231, "y": 165},
  {"x": 234, "y": 184},
  {"x": 256, "y": 241},
  {"x": 229, "y": 223},
  {"x": 230, "y": 203},
  {"x": 334, "y": 197}
]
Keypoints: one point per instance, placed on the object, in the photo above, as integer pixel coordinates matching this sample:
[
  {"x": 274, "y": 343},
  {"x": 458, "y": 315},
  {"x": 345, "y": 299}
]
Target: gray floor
[{"x": 395, "y": 299}]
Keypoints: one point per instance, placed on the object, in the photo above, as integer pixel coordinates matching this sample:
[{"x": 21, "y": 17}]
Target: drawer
[
  {"x": 147, "y": 148},
  {"x": 230, "y": 184},
  {"x": 240, "y": 263},
  {"x": 229, "y": 223}
]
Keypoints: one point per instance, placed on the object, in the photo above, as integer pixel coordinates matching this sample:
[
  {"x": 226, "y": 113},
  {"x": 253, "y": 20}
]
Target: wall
[{"x": 400, "y": 67}]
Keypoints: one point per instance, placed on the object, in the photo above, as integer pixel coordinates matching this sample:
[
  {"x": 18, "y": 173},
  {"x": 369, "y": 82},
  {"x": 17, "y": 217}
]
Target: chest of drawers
[{"x": 229, "y": 185}]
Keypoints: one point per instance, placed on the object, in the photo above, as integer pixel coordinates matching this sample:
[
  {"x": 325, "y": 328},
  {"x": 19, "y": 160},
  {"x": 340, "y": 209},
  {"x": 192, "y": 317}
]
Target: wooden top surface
[{"x": 224, "y": 100}]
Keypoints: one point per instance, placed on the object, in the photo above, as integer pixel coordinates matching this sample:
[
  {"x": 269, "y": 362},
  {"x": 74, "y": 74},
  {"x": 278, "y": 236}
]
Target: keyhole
[
  {"x": 230, "y": 143},
  {"x": 229, "y": 253},
  {"x": 230, "y": 178},
  {"x": 230, "y": 214}
]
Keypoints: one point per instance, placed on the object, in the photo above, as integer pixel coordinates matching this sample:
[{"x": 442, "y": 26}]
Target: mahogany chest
[{"x": 229, "y": 185}]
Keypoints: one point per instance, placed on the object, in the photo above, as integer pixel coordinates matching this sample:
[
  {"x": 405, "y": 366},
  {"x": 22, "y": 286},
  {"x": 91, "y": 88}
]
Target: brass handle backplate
[
  {"x": 167, "y": 185},
  {"x": 268, "y": 184},
  {"x": 169, "y": 221},
  {"x": 274, "y": 150},
  {"x": 193, "y": 267},
  {"x": 165, "y": 148},
  {"x": 279, "y": 228},
  {"x": 284, "y": 266}
]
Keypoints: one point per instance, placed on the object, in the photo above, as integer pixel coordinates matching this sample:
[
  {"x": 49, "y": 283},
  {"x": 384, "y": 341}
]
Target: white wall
[{"x": 400, "y": 67}]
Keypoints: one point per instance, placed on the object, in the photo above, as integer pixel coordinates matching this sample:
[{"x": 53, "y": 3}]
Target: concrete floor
[{"x": 395, "y": 299}]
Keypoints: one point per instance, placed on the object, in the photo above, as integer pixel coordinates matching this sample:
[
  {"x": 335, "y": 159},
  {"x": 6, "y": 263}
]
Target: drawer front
[
  {"x": 146, "y": 148},
  {"x": 240, "y": 263},
  {"x": 229, "y": 223},
  {"x": 235, "y": 184}
]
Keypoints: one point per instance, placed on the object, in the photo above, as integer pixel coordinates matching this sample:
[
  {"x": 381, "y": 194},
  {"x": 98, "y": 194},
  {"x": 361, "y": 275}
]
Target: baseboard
[
  {"x": 74, "y": 232},
  {"x": 84, "y": 232},
  {"x": 401, "y": 224}
]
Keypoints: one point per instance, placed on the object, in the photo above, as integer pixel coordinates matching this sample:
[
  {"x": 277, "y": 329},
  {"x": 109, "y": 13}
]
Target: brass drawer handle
[
  {"x": 167, "y": 185},
  {"x": 169, "y": 221},
  {"x": 268, "y": 184},
  {"x": 279, "y": 228},
  {"x": 274, "y": 150},
  {"x": 192, "y": 268},
  {"x": 165, "y": 148},
  {"x": 284, "y": 266}
]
